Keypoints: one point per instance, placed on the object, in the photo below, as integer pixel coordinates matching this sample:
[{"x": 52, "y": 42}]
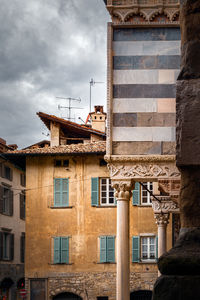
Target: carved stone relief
[
  {"x": 164, "y": 205},
  {"x": 139, "y": 170}
]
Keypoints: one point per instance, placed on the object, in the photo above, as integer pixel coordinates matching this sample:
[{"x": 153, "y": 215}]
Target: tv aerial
[{"x": 69, "y": 107}]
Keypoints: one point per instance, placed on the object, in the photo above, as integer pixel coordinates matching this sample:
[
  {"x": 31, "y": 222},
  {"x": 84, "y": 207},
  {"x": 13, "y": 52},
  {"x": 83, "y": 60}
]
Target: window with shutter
[
  {"x": 7, "y": 201},
  {"x": 61, "y": 250},
  {"x": 61, "y": 192},
  {"x": 22, "y": 206},
  {"x": 22, "y": 179},
  {"x": 95, "y": 191},
  {"x": 145, "y": 195},
  {"x": 136, "y": 249},
  {"x": 7, "y": 246},
  {"x": 148, "y": 248},
  {"x": 1, "y": 199},
  {"x": 136, "y": 194},
  {"x": 106, "y": 192},
  {"x": 107, "y": 249},
  {"x": 22, "y": 247}
]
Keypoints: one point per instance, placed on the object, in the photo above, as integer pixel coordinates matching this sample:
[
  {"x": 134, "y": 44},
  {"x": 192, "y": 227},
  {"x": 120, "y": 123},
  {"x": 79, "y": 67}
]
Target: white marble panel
[
  {"x": 135, "y": 76},
  {"x": 124, "y": 105},
  {"x": 144, "y": 76},
  {"x": 139, "y": 48},
  {"x": 146, "y": 134}
]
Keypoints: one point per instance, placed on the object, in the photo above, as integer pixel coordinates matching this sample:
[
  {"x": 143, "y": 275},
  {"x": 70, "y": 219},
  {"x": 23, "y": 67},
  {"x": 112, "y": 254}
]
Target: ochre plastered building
[{"x": 71, "y": 218}]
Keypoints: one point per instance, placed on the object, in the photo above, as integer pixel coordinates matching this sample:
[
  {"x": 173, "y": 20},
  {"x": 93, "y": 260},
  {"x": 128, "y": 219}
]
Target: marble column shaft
[{"x": 123, "y": 194}]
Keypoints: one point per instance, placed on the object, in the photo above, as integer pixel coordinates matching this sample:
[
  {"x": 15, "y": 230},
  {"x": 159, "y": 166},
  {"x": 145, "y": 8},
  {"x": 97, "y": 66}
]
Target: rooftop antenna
[
  {"x": 69, "y": 107},
  {"x": 92, "y": 83}
]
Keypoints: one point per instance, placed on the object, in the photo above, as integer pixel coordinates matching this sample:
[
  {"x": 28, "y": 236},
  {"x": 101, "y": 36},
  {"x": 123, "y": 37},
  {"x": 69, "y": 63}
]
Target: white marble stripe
[
  {"x": 140, "y": 48},
  {"x": 145, "y": 76},
  {"x": 131, "y": 105},
  {"x": 145, "y": 134}
]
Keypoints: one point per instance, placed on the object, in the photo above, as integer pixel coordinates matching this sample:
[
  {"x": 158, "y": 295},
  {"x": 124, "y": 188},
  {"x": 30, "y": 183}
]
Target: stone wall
[{"x": 91, "y": 285}]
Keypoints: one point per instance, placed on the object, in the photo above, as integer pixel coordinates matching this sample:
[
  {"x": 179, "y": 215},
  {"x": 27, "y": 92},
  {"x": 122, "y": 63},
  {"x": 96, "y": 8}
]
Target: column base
[{"x": 177, "y": 288}]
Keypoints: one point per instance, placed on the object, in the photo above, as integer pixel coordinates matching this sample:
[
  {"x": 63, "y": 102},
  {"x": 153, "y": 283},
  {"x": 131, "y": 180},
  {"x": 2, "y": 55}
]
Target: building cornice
[{"x": 142, "y": 11}]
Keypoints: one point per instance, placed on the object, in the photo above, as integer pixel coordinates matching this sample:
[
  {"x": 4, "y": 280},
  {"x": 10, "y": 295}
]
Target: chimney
[{"x": 98, "y": 118}]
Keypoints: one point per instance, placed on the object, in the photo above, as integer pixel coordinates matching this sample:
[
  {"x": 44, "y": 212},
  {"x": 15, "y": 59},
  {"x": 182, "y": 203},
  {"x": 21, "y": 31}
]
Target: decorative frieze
[
  {"x": 138, "y": 171},
  {"x": 123, "y": 11}
]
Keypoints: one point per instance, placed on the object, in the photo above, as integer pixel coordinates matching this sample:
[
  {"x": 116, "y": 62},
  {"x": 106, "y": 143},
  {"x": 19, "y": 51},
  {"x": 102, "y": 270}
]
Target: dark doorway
[
  {"x": 141, "y": 295},
  {"x": 67, "y": 296}
]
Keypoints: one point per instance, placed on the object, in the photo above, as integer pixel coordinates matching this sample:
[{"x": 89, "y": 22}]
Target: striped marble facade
[{"x": 146, "y": 64}]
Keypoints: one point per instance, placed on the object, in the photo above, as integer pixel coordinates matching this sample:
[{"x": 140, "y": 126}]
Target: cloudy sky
[{"x": 49, "y": 49}]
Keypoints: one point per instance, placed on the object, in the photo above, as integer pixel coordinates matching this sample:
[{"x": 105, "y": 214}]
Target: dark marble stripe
[
  {"x": 147, "y": 34},
  {"x": 146, "y": 62},
  {"x": 149, "y": 119},
  {"x": 125, "y": 119},
  {"x": 144, "y": 91}
]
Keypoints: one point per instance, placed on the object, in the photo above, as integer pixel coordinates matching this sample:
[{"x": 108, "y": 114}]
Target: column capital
[
  {"x": 164, "y": 204},
  {"x": 123, "y": 189},
  {"x": 162, "y": 219}
]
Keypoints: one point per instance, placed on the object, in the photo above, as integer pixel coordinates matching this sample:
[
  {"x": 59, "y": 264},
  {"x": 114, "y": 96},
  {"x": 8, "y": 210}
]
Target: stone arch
[
  {"x": 64, "y": 289},
  {"x": 67, "y": 295},
  {"x": 118, "y": 15},
  {"x": 175, "y": 15}
]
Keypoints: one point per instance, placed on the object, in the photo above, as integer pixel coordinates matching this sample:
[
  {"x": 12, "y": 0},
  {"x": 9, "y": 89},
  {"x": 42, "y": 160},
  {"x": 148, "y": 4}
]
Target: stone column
[
  {"x": 123, "y": 194},
  {"x": 162, "y": 220},
  {"x": 180, "y": 267}
]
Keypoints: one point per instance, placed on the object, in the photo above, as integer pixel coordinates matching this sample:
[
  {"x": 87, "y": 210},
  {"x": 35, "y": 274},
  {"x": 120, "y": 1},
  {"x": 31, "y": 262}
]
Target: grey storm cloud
[{"x": 48, "y": 48}]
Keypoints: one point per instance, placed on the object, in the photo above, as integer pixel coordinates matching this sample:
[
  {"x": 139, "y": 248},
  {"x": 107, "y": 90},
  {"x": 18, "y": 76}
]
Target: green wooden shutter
[
  {"x": 110, "y": 247},
  {"x": 11, "y": 236},
  {"x": 1, "y": 245},
  {"x": 103, "y": 249},
  {"x": 94, "y": 191},
  {"x": 156, "y": 247},
  {"x": 10, "y": 203},
  {"x": 1, "y": 199},
  {"x": 65, "y": 250},
  {"x": 136, "y": 194},
  {"x": 57, "y": 191},
  {"x": 136, "y": 249},
  {"x": 56, "y": 250},
  {"x": 65, "y": 191}
]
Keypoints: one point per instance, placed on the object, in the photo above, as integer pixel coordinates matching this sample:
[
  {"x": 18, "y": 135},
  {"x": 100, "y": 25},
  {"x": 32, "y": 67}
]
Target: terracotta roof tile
[
  {"x": 68, "y": 124},
  {"x": 95, "y": 147}
]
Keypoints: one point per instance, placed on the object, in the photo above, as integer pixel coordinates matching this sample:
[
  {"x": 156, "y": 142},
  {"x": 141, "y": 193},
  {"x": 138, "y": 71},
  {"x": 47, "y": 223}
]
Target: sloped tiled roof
[
  {"x": 77, "y": 129},
  {"x": 95, "y": 147}
]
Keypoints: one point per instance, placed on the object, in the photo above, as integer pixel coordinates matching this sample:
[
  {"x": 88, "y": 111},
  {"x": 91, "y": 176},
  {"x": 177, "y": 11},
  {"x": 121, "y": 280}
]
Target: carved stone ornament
[
  {"x": 146, "y": 171},
  {"x": 121, "y": 11},
  {"x": 123, "y": 189},
  {"x": 169, "y": 187},
  {"x": 164, "y": 205},
  {"x": 162, "y": 219}
]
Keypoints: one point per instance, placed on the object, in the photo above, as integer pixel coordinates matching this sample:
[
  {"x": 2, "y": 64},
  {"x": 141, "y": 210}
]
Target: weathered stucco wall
[{"x": 82, "y": 222}]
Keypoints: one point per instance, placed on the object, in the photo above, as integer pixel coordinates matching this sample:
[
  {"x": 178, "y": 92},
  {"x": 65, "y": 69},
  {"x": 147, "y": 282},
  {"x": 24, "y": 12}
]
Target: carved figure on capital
[
  {"x": 162, "y": 219},
  {"x": 123, "y": 189}
]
